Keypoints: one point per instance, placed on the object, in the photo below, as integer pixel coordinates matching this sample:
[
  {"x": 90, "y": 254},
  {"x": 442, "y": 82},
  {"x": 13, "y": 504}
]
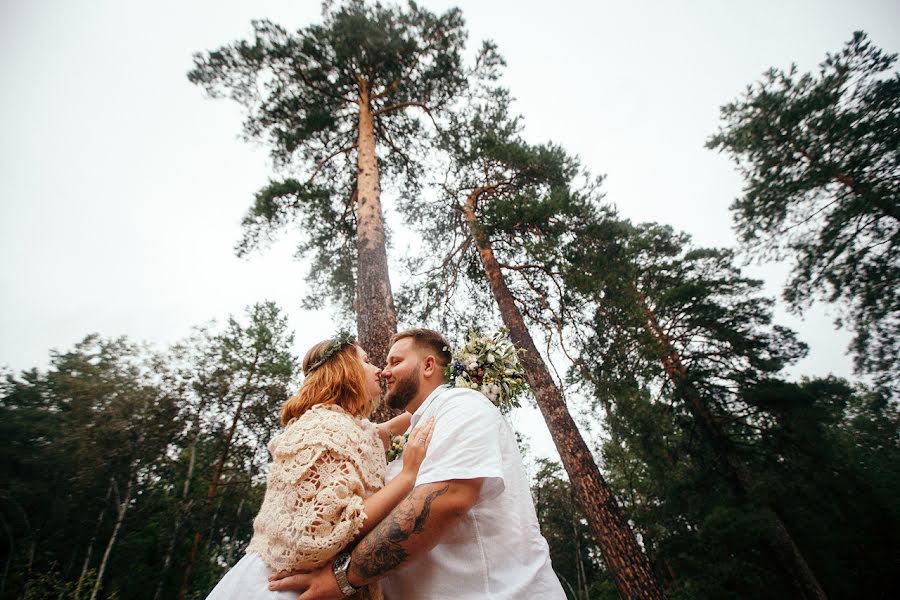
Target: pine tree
[
  {"x": 253, "y": 369},
  {"x": 820, "y": 159},
  {"x": 510, "y": 212},
  {"x": 343, "y": 104},
  {"x": 693, "y": 315}
]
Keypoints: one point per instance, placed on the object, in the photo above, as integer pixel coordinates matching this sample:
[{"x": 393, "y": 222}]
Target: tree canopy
[{"x": 820, "y": 157}]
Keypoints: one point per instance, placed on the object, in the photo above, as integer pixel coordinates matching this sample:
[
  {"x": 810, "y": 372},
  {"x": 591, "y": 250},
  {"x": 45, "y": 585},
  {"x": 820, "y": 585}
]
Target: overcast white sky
[{"x": 122, "y": 187}]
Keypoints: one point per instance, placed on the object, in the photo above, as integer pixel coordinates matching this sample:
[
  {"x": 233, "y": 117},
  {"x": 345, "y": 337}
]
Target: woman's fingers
[
  {"x": 423, "y": 433},
  {"x": 283, "y": 574},
  {"x": 290, "y": 581},
  {"x": 429, "y": 429},
  {"x": 430, "y": 432},
  {"x": 417, "y": 444}
]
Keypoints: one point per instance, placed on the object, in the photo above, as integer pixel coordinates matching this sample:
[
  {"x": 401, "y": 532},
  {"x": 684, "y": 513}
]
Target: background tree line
[{"x": 698, "y": 471}]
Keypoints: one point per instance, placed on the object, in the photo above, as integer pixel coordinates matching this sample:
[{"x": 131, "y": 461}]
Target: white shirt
[{"x": 496, "y": 550}]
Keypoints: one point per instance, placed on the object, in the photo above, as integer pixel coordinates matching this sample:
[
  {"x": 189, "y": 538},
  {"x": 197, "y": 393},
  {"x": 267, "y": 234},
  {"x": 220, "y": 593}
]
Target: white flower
[
  {"x": 490, "y": 357},
  {"x": 460, "y": 381}
]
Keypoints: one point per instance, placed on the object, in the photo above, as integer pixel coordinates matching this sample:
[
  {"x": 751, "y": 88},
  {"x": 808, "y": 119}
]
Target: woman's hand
[
  {"x": 416, "y": 445},
  {"x": 382, "y": 502}
]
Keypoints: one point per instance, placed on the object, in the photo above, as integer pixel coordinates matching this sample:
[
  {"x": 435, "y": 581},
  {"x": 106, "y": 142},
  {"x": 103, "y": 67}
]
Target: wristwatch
[{"x": 339, "y": 568}]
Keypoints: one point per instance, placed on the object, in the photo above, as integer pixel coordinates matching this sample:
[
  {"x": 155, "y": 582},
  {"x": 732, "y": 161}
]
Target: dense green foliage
[
  {"x": 680, "y": 349},
  {"x": 112, "y": 426},
  {"x": 573, "y": 551},
  {"x": 820, "y": 158},
  {"x": 825, "y": 456}
]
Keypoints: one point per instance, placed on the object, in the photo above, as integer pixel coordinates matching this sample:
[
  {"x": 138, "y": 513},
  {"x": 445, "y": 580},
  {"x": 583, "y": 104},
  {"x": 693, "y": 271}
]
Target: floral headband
[{"x": 341, "y": 340}]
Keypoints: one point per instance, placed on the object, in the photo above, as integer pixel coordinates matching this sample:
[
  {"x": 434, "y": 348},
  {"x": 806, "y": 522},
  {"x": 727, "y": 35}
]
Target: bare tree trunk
[
  {"x": 777, "y": 537},
  {"x": 90, "y": 550},
  {"x": 183, "y": 507},
  {"x": 376, "y": 319},
  {"x": 120, "y": 517},
  {"x": 580, "y": 578},
  {"x": 12, "y": 552},
  {"x": 217, "y": 475},
  {"x": 618, "y": 545},
  {"x": 229, "y": 556}
]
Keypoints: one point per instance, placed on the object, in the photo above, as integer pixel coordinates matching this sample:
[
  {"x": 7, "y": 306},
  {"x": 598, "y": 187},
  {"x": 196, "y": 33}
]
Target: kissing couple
[{"x": 451, "y": 518}]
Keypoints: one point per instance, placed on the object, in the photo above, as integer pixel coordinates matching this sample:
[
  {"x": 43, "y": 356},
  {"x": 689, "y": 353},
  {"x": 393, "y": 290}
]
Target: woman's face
[{"x": 373, "y": 378}]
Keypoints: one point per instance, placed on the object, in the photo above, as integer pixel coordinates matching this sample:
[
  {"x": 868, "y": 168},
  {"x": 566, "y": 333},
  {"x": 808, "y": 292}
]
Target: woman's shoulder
[
  {"x": 319, "y": 415},
  {"x": 326, "y": 425}
]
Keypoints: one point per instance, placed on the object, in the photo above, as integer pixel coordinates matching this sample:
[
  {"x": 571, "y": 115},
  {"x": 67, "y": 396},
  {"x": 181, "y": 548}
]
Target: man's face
[{"x": 402, "y": 374}]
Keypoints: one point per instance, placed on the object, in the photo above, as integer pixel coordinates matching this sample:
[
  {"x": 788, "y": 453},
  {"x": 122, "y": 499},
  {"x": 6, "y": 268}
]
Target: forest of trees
[{"x": 691, "y": 465}]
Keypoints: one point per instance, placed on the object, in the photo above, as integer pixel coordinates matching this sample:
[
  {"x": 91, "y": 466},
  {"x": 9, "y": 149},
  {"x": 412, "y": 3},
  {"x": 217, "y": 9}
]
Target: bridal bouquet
[{"x": 490, "y": 364}]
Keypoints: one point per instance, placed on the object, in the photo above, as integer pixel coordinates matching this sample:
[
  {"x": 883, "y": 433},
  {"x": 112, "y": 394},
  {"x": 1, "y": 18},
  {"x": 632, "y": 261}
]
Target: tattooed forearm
[
  {"x": 419, "y": 522},
  {"x": 384, "y": 548}
]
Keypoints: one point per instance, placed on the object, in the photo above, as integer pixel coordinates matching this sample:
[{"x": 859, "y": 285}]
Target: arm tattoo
[{"x": 382, "y": 550}]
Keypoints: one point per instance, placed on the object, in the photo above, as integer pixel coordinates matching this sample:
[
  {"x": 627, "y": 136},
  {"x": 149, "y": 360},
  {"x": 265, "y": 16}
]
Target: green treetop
[{"x": 820, "y": 157}]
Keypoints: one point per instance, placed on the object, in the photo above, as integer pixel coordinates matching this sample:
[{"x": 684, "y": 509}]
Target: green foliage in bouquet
[{"x": 490, "y": 364}]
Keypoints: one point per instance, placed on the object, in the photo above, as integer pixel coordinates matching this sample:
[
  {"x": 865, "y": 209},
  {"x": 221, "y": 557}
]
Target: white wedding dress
[{"x": 248, "y": 580}]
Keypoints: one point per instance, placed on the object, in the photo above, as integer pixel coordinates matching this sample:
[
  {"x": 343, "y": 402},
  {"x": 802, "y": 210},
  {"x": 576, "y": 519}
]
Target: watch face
[
  {"x": 343, "y": 561},
  {"x": 340, "y": 574}
]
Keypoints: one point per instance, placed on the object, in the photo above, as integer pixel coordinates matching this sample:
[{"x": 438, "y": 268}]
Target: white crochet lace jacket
[{"x": 324, "y": 464}]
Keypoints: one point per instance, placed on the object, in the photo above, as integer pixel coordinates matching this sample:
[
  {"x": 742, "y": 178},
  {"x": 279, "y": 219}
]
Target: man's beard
[{"x": 404, "y": 391}]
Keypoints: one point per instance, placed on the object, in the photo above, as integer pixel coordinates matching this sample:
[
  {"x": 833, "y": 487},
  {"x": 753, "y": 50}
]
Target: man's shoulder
[{"x": 465, "y": 402}]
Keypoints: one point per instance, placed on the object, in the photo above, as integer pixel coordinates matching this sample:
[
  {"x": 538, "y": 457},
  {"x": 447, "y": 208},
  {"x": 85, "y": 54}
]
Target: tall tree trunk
[
  {"x": 777, "y": 537},
  {"x": 376, "y": 319},
  {"x": 120, "y": 517},
  {"x": 618, "y": 545},
  {"x": 217, "y": 475}
]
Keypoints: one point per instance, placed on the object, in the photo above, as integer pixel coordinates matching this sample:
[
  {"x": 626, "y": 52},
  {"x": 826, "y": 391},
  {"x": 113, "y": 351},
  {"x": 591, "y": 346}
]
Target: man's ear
[{"x": 429, "y": 366}]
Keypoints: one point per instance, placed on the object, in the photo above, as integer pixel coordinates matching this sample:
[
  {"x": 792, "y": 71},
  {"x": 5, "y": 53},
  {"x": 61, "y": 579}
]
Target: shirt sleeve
[{"x": 465, "y": 443}]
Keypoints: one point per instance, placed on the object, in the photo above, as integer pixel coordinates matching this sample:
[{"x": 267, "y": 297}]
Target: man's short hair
[{"x": 429, "y": 340}]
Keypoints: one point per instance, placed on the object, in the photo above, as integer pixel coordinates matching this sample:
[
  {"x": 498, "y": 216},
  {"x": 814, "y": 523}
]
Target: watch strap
[{"x": 339, "y": 568}]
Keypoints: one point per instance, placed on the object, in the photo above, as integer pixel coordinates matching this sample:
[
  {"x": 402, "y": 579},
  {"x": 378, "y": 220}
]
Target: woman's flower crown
[
  {"x": 490, "y": 364},
  {"x": 341, "y": 340}
]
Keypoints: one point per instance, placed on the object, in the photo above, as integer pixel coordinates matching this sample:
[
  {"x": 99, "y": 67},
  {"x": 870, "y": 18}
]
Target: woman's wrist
[{"x": 407, "y": 478}]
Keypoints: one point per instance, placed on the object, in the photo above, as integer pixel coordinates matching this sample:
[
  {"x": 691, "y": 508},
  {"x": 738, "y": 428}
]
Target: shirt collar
[{"x": 424, "y": 406}]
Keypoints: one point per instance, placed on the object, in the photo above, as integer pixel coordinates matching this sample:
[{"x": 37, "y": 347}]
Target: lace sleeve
[
  {"x": 320, "y": 510},
  {"x": 328, "y": 504},
  {"x": 313, "y": 508}
]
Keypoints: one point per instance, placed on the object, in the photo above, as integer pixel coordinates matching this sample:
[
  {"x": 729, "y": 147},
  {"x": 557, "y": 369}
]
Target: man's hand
[{"x": 315, "y": 585}]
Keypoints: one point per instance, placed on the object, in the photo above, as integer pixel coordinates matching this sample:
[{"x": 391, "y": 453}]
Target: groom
[{"x": 468, "y": 529}]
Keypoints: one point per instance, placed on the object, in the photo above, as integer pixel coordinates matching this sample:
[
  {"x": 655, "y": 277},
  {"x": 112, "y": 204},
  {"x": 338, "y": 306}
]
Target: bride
[{"x": 326, "y": 487}]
